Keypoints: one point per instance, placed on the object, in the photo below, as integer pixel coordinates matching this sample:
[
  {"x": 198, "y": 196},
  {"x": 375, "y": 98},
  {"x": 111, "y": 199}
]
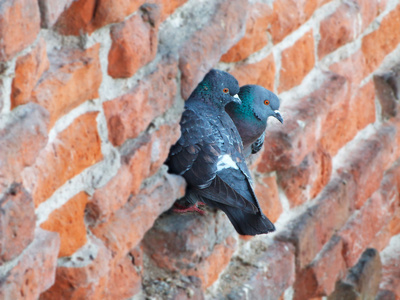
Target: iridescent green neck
[{"x": 245, "y": 110}]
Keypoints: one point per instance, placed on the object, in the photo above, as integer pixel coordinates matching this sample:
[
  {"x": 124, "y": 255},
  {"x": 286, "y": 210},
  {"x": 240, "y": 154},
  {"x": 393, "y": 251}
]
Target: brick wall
[{"x": 91, "y": 94}]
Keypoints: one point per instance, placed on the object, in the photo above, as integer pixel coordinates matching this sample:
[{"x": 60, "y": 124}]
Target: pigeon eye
[
  {"x": 225, "y": 90},
  {"x": 266, "y": 102}
]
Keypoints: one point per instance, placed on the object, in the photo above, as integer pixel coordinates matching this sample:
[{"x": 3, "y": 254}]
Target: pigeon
[
  {"x": 251, "y": 116},
  {"x": 209, "y": 155}
]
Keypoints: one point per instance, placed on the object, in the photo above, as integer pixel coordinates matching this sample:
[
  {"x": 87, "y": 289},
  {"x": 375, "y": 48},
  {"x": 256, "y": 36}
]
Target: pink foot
[{"x": 182, "y": 210}]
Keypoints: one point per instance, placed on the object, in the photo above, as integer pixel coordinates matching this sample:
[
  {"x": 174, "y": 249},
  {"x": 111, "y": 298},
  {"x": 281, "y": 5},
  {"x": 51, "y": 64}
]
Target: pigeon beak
[
  {"x": 236, "y": 99},
  {"x": 278, "y": 115}
]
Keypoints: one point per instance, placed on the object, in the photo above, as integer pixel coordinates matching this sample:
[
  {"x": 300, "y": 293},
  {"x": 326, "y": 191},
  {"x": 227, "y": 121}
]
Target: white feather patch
[{"x": 225, "y": 161}]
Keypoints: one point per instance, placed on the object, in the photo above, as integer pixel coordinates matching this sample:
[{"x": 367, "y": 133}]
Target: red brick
[
  {"x": 23, "y": 136},
  {"x": 369, "y": 160},
  {"x": 267, "y": 269},
  {"x": 17, "y": 221},
  {"x": 362, "y": 105},
  {"x": 369, "y": 11},
  {"x": 305, "y": 181},
  {"x": 259, "y": 18},
  {"x": 134, "y": 43},
  {"x": 74, "y": 149},
  {"x": 362, "y": 280},
  {"x": 363, "y": 226},
  {"x": 68, "y": 222},
  {"x": 290, "y": 14},
  {"x": 28, "y": 70},
  {"x": 204, "y": 49},
  {"x": 34, "y": 272},
  {"x": 297, "y": 61},
  {"x": 376, "y": 45},
  {"x": 140, "y": 162},
  {"x": 140, "y": 213},
  {"x": 315, "y": 227},
  {"x": 74, "y": 77},
  {"x": 111, "y": 11},
  {"x": 51, "y": 10},
  {"x": 382, "y": 238},
  {"x": 124, "y": 280},
  {"x": 318, "y": 279},
  {"x": 390, "y": 267},
  {"x": 83, "y": 276},
  {"x": 267, "y": 193},
  {"x": 289, "y": 144},
  {"x": 260, "y": 73},
  {"x": 19, "y": 26},
  {"x": 338, "y": 28},
  {"x": 76, "y": 19},
  {"x": 128, "y": 115},
  {"x": 192, "y": 245},
  {"x": 169, "y": 6}
]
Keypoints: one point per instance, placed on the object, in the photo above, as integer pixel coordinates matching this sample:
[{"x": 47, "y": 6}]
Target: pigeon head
[
  {"x": 218, "y": 88},
  {"x": 258, "y": 103}
]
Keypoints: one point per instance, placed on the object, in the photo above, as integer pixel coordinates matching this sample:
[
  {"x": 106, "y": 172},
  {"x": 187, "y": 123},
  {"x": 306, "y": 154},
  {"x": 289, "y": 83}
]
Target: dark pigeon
[
  {"x": 209, "y": 155},
  {"x": 251, "y": 116}
]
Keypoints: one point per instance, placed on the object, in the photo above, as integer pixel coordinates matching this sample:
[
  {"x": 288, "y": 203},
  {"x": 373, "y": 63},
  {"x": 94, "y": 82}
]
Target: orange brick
[
  {"x": 297, "y": 61},
  {"x": 68, "y": 222},
  {"x": 74, "y": 149},
  {"x": 376, "y": 45},
  {"x": 266, "y": 190},
  {"x": 19, "y": 26},
  {"x": 134, "y": 43},
  {"x": 128, "y": 115},
  {"x": 260, "y": 17},
  {"x": 28, "y": 69},
  {"x": 261, "y": 73},
  {"x": 362, "y": 105},
  {"x": 74, "y": 77},
  {"x": 76, "y": 19},
  {"x": 168, "y": 7},
  {"x": 338, "y": 29},
  {"x": 369, "y": 10}
]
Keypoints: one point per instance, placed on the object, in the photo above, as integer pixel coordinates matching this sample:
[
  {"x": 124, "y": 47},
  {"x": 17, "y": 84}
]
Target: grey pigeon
[
  {"x": 251, "y": 116},
  {"x": 209, "y": 155}
]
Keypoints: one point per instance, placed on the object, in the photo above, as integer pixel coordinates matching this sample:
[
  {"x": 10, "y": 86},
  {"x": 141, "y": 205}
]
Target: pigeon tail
[{"x": 244, "y": 223}]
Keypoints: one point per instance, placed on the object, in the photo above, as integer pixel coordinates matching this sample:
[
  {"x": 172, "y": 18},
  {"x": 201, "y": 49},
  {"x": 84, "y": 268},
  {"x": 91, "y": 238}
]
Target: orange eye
[
  {"x": 225, "y": 90},
  {"x": 266, "y": 102}
]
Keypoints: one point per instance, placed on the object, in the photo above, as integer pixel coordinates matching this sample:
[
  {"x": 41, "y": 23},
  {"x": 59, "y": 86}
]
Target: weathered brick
[
  {"x": 19, "y": 26},
  {"x": 204, "y": 49},
  {"x": 318, "y": 279},
  {"x": 376, "y": 45},
  {"x": 76, "y": 19},
  {"x": 134, "y": 42},
  {"x": 68, "y": 222},
  {"x": 23, "y": 136},
  {"x": 266, "y": 269},
  {"x": 111, "y": 11},
  {"x": 293, "y": 69},
  {"x": 363, "y": 226},
  {"x": 267, "y": 193},
  {"x": 83, "y": 276},
  {"x": 17, "y": 222},
  {"x": 362, "y": 106},
  {"x": 169, "y": 6},
  {"x": 74, "y": 149},
  {"x": 290, "y": 14},
  {"x": 362, "y": 280},
  {"x": 51, "y": 10},
  {"x": 338, "y": 28},
  {"x": 313, "y": 228},
  {"x": 289, "y": 144},
  {"x": 259, "y": 18},
  {"x": 28, "y": 70},
  {"x": 192, "y": 245},
  {"x": 304, "y": 182},
  {"x": 140, "y": 213},
  {"x": 392, "y": 228},
  {"x": 74, "y": 77},
  {"x": 138, "y": 163},
  {"x": 261, "y": 73},
  {"x": 387, "y": 87},
  {"x": 390, "y": 257},
  {"x": 34, "y": 272},
  {"x": 367, "y": 162},
  {"x": 369, "y": 10},
  {"x": 128, "y": 115}
]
